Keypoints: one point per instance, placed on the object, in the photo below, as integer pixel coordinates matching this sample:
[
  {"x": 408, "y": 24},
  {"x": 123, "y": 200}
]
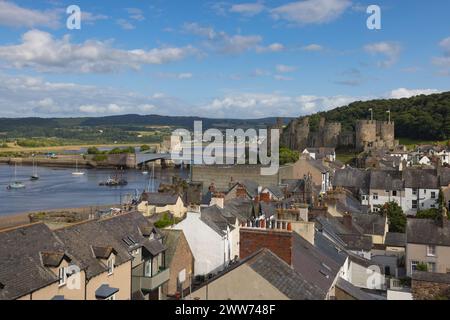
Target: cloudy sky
[{"x": 217, "y": 58}]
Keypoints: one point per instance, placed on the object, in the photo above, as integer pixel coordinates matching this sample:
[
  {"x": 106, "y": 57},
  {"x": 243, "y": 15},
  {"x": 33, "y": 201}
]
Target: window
[
  {"x": 375, "y": 196},
  {"x": 424, "y": 191},
  {"x": 433, "y": 195},
  {"x": 394, "y": 193},
  {"x": 414, "y": 204},
  {"x": 148, "y": 268},
  {"x": 431, "y": 251},
  {"x": 62, "y": 276},
  {"x": 431, "y": 267},
  {"x": 414, "y": 192},
  {"x": 414, "y": 266},
  {"x": 111, "y": 266}
]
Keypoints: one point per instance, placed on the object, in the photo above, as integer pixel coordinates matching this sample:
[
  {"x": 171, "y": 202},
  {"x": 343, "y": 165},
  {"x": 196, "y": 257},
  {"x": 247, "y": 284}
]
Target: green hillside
[{"x": 418, "y": 118}]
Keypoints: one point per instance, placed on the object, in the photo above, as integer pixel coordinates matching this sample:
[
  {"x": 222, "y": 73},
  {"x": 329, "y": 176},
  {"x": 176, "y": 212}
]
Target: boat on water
[
  {"x": 115, "y": 181},
  {"x": 34, "y": 175},
  {"x": 77, "y": 172},
  {"x": 16, "y": 184}
]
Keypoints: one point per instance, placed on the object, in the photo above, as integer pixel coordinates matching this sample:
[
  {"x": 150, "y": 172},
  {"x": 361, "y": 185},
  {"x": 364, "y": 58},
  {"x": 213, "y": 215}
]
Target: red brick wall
[{"x": 277, "y": 241}]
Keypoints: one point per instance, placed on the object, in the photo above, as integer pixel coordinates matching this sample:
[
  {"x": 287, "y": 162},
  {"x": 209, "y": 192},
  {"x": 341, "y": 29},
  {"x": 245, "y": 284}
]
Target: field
[{"x": 412, "y": 143}]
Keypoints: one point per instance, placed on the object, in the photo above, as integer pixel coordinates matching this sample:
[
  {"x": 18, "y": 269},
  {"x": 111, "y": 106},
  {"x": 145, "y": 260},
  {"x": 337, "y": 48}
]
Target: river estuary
[{"x": 58, "y": 188}]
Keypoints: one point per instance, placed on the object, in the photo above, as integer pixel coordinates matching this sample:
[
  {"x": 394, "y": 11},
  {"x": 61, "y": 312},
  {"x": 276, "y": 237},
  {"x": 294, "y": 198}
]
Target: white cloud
[
  {"x": 136, "y": 14},
  {"x": 312, "y": 47},
  {"x": 180, "y": 76},
  {"x": 12, "y": 15},
  {"x": 443, "y": 62},
  {"x": 282, "y": 68},
  {"x": 40, "y": 51},
  {"x": 254, "y": 105},
  {"x": 248, "y": 9},
  {"x": 280, "y": 77},
  {"x": 89, "y": 17},
  {"x": 390, "y": 50},
  {"x": 125, "y": 25},
  {"x": 311, "y": 11},
  {"x": 22, "y": 96},
  {"x": 408, "y": 93},
  {"x": 230, "y": 44}
]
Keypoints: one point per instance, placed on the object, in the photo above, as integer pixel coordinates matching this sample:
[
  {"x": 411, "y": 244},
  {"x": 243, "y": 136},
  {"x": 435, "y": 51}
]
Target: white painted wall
[{"x": 210, "y": 250}]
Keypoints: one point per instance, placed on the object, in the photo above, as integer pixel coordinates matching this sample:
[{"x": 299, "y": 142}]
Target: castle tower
[
  {"x": 302, "y": 134},
  {"x": 331, "y": 134},
  {"x": 386, "y": 133},
  {"x": 366, "y": 134}
]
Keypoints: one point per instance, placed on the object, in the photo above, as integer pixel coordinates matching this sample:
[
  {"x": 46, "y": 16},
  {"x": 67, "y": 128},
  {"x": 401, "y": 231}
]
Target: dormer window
[
  {"x": 111, "y": 266},
  {"x": 62, "y": 274}
]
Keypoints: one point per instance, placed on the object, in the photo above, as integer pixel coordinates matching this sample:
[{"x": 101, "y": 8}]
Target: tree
[
  {"x": 422, "y": 267},
  {"x": 145, "y": 147},
  {"x": 288, "y": 156},
  {"x": 396, "y": 217}
]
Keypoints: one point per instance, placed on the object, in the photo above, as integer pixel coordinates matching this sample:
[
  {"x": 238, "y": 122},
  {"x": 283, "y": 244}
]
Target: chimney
[
  {"x": 278, "y": 241},
  {"x": 218, "y": 199},
  {"x": 347, "y": 220}
]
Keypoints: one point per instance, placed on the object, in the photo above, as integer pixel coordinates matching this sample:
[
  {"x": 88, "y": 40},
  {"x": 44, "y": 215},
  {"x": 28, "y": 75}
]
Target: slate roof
[
  {"x": 294, "y": 185},
  {"x": 213, "y": 216},
  {"x": 395, "y": 239},
  {"x": 277, "y": 191},
  {"x": 241, "y": 208},
  {"x": 421, "y": 178},
  {"x": 21, "y": 268},
  {"x": 352, "y": 178},
  {"x": 318, "y": 164},
  {"x": 53, "y": 259},
  {"x": 427, "y": 232},
  {"x": 444, "y": 177},
  {"x": 90, "y": 244},
  {"x": 386, "y": 180},
  {"x": 330, "y": 249},
  {"x": 372, "y": 224},
  {"x": 350, "y": 238},
  {"x": 128, "y": 227},
  {"x": 314, "y": 266},
  {"x": 357, "y": 242},
  {"x": 284, "y": 277},
  {"x": 251, "y": 187},
  {"x": 160, "y": 199},
  {"x": 353, "y": 291},
  {"x": 268, "y": 210}
]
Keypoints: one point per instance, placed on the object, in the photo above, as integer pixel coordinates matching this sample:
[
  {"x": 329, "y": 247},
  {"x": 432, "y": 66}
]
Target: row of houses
[
  {"x": 121, "y": 257},
  {"x": 413, "y": 189}
]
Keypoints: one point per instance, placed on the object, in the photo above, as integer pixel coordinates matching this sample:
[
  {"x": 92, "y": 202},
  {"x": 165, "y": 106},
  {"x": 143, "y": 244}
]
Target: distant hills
[
  {"x": 420, "y": 117},
  {"x": 424, "y": 117}
]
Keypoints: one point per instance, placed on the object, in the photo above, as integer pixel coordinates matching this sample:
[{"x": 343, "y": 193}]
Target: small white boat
[
  {"x": 145, "y": 173},
  {"x": 77, "y": 172},
  {"x": 16, "y": 184}
]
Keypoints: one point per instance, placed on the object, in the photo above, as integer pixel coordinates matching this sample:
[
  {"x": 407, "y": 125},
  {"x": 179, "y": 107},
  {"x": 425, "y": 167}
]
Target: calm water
[{"x": 57, "y": 188}]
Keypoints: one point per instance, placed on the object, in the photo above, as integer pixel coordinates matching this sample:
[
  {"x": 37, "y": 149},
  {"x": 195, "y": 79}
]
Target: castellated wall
[{"x": 368, "y": 134}]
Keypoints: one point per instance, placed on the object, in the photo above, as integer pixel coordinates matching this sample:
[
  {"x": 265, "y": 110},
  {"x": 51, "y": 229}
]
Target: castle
[{"x": 368, "y": 135}]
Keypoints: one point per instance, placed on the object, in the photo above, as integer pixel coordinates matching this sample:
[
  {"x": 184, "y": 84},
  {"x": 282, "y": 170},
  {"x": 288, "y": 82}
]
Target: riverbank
[{"x": 54, "y": 218}]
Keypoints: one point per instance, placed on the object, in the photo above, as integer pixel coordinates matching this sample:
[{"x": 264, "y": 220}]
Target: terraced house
[{"x": 120, "y": 257}]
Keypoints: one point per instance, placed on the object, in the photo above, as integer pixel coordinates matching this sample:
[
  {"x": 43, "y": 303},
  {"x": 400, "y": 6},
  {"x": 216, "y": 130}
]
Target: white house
[
  {"x": 421, "y": 191},
  {"x": 425, "y": 161},
  {"x": 212, "y": 238},
  {"x": 321, "y": 153}
]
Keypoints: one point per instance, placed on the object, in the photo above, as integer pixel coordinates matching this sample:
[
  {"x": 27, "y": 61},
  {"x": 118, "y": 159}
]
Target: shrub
[{"x": 145, "y": 147}]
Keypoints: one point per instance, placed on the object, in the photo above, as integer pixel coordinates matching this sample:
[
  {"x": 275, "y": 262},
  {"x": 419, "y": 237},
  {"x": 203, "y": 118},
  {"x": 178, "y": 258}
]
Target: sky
[{"x": 218, "y": 59}]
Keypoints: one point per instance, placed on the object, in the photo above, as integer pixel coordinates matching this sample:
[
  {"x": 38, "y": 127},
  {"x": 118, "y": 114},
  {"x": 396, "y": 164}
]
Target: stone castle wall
[{"x": 367, "y": 135}]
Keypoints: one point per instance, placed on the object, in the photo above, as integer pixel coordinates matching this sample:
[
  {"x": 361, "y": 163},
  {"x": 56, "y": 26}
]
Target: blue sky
[{"x": 239, "y": 59}]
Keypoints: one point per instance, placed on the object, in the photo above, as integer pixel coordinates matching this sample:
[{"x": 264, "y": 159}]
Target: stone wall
[{"x": 427, "y": 290}]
